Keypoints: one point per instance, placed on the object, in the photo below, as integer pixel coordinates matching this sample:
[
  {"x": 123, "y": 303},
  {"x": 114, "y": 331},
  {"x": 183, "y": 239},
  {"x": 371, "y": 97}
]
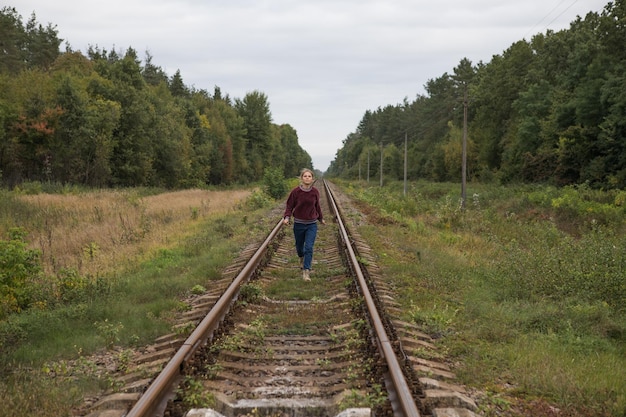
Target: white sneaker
[{"x": 305, "y": 275}]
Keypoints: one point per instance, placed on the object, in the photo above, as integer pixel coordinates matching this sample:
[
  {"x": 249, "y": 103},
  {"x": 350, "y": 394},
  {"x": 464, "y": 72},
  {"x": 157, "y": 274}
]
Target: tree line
[
  {"x": 548, "y": 110},
  {"x": 109, "y": 119}
]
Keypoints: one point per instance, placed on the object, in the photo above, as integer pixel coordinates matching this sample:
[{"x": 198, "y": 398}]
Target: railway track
[{"x": 263, "y": 342}]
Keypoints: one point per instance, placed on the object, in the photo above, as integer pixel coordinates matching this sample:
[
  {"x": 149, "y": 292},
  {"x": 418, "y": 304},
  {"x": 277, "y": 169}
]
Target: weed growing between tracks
[{"x": 523, "y": 290}]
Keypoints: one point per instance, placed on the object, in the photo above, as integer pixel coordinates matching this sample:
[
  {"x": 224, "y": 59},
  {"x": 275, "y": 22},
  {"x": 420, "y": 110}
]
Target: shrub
[
  {"x": 18, "y": 264},
  {"x": 109, "y": 331},
  {"x": 12, "y": 333},
  {"x": 274, "y": 183},
  {"x": 71, "y": 285},
  {"x": 257, "y": 200},
  {"x": 250, "y": 293}
]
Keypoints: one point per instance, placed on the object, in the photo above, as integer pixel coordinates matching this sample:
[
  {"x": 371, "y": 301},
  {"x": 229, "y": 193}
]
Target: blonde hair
[{"x": 305, "y": 170}]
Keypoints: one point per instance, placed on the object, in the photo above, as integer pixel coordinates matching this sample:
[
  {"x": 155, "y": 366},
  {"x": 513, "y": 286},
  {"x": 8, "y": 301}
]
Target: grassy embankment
[
  {"x": 525, "y": 290},
  {"x": 112, "y": 271}
]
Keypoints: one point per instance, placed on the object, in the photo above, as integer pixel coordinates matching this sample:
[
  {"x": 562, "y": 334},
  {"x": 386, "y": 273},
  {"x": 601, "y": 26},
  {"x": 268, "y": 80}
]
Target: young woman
[{"x": 303, "y": 204}]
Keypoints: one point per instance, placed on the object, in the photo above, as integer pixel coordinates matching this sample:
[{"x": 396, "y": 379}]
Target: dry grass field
[{"x": 102, "y": 230}]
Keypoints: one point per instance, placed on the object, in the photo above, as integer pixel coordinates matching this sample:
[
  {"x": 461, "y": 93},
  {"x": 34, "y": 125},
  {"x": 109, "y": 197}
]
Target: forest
[
  {"x": 109, "y": 119},
  {"x": 551, "y": 110}
]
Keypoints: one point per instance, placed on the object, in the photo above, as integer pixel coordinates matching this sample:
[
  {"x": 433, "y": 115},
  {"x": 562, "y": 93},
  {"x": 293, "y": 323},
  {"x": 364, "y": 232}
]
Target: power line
[
  {"x": 561, "y": 14},
  {"x": 548, "y": 14},
  {"x": 419, "y": 130}
]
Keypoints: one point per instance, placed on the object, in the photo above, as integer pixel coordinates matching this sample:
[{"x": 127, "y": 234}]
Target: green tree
[
  {"x": 42, "y": 44},
  {"x": 221, "y": 157},
  {"x": 133, "y": 153},
  {"x": 499, "y": 85},
  {"x": 86, "y": 127},
  {"x": 531, "y": 156},
  {"x": 255, "y": 111},
  {"x": 31, "y": 130},
  {"x": 169, "y": 137},
  {"x": 26, "y": 47},
  {"x": 177, "y": 86},
  {"x": 235, "y": 126},
  {"x": 296, "y": 158},
  {"x": 153, "y": 74},
  {"x": 12, "y": 41},
  {"x": 73, "y": 133}
]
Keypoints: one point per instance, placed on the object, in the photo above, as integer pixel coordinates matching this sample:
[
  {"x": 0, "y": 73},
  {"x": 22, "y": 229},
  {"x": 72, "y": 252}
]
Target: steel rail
[
  {"x": 154, "y": 400},
  {"x": 400, "y": 386}
]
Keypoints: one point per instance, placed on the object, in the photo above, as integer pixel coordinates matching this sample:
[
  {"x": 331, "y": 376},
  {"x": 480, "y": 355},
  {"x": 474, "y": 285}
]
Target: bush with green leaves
[
  {"x": 18, "y": 265},
  {"x": 257, "y": 200},
  {"x": 274, "y": 183}
]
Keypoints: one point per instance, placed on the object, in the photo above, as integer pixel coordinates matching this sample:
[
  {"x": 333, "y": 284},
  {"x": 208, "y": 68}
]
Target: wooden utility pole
[
  {"x": 405, "y": 161},
  {"x": 381, "y": 164},
  {"x": 464, "y": 151}
]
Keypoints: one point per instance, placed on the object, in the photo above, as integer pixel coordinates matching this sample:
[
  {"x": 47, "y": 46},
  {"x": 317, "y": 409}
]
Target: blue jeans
[{"x": 304, "y": 235}]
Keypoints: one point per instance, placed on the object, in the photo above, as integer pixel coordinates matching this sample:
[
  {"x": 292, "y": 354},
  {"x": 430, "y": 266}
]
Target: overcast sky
[{"x": 321, "y": 63}]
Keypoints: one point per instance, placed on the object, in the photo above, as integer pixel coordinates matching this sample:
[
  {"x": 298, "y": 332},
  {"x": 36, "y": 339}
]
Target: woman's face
[{"x": 307, "y": 178}]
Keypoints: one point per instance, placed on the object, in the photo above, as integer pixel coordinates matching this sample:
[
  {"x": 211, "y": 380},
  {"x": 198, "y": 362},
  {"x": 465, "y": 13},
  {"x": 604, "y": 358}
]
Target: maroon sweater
[{"x": 304, "y": 205}]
